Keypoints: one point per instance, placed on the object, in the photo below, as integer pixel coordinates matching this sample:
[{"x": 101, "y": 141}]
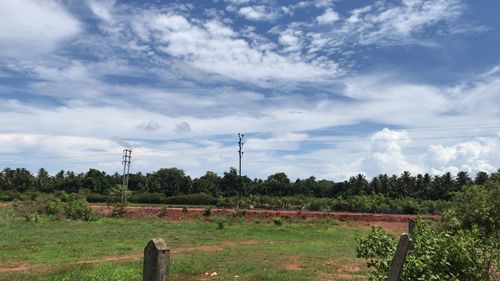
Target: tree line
[{"x": 174, "y": 182}]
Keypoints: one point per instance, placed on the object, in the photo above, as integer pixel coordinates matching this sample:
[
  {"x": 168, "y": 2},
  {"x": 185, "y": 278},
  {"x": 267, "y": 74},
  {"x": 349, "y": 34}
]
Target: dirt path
[
  {"x": 16, "y": 268},
  {"x": 177, "y": 250}
]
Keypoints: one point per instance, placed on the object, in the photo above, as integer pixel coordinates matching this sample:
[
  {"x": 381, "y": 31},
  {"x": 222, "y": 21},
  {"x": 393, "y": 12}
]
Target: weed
[
  {"x": 119, "y": 210},
  {"x": 277, "y": 221},
  {"x": 163, "y": 212},
  {"x": 207, "y": 212}
]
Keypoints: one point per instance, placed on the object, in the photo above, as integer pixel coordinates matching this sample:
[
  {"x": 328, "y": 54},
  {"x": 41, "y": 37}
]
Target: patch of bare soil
[
  {"x": 16, "y": 267},
  {"x": 21, "y": 267},
  {"x": 178, "y": 214},
  {"x": 291, "y": 263},
  {"x": 348, "y": 269},
  {"x": 331, "y": 276},
  {"x": 394, "y": 227}
]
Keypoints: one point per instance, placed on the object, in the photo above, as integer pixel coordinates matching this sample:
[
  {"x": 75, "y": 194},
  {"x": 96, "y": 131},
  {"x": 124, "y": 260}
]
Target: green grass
[{"x": 293, "y": 251}]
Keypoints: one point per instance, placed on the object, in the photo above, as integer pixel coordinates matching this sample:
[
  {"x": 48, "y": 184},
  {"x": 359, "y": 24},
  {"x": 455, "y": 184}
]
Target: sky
[{"x": 323, "y": 88}]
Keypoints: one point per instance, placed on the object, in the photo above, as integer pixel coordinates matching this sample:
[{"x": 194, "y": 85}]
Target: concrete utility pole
[
  {"x": 126, "y": 159},
  {"x": 240, "y": 150}
]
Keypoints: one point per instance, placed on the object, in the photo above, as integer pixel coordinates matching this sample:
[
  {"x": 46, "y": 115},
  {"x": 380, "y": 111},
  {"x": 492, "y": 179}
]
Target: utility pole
[
  {"x": 240, "y": 150},
  {"x": 126, "y": 159}
]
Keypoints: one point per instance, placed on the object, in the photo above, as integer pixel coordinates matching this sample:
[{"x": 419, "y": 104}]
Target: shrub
[
  {"x": 9, "y": 196},
  {"x": 437, "y": 255},
  {"x": 240, "y": 213},
  {"x": 221, "y": 222},
  {"x": 149, "y": 198},
  {"x": 119, "y": 210},
  {"x": 315, "y": 205},
  {"x": 207, "y": 212},
  {"x": 476, "y": 206},
  {"x": 277, "y": 221},
  {"x": 463, "y": 246},
  {"x": 163, "y": 212},
  {"x": 75, "y": 208},
  {"x": 192, "y": 199},
  {"x": 55, "y": 207},
  {"x": 79, "y": 209},
  {"x": 185, "y": 210}
]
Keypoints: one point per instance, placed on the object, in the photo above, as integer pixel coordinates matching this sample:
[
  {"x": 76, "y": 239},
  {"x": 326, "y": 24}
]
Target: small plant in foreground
[
  {"x": 277, "y": 221},
  {"x": 221, "y": 222}
]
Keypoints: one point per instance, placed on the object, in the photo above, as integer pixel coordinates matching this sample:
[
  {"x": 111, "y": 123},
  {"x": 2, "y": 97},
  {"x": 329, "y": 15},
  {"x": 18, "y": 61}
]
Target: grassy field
[{"x": 111, "y": 249}]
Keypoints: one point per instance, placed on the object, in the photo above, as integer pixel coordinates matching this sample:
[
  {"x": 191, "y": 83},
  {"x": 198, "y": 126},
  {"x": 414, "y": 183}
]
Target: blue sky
[{"x": 323, "y": 88}]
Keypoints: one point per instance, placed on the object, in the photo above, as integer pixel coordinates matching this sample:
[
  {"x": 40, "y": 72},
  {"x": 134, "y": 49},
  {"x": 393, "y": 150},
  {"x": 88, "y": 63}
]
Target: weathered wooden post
[
  {"x": 411, "y": 226},
  {"x": 156, "y": 261},
  {"x": 404, "y": 245}
]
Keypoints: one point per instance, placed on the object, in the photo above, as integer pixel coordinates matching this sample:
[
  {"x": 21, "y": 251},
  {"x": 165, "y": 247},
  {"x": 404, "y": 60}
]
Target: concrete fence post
[
  {"x": 397, "y": 263},
  {"x": 156, "y": 261}
]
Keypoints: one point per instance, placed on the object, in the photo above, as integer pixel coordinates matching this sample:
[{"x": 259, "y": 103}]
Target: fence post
[
  {"x": 404, "y": 245},
  {"x": 156, "y": 261},
  {"x": 411, "y": 226}
]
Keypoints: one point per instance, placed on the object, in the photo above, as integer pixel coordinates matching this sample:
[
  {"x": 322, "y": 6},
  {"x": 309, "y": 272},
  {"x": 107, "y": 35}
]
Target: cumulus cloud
[{"x": 329, "y": 16}]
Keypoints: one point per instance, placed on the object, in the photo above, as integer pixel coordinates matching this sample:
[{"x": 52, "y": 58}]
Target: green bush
[
  {"x": 437, "y": 255},
  {"x": 79, "y": 209},
  {"x": 192, "y": 199},
  {"x": 148, "y": 198},
  {"x": 220, "y": 222},
  {"x": 315, "y": 205},
  {"x": 277, "y": 221},
  {"x": 185, "y": 210},
  {"x": 463, "y": 246},
  {"x": 100, "y": 198},
  {"x": 55, "y": 207},
  {"x": 476, "y": 206},
  {"x": 9, "y": 195}
]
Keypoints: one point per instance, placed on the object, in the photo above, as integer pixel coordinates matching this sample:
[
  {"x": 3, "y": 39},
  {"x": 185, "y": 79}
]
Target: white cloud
[
  {"x": 34, "y": 27},
  {"x": 329, "y": 16},
  {"x": 258, "y": 13},
  {"x": 382, "y": 23},
  {"x": 102, "y": 9},
  {"x": 215, "y": 48}
]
